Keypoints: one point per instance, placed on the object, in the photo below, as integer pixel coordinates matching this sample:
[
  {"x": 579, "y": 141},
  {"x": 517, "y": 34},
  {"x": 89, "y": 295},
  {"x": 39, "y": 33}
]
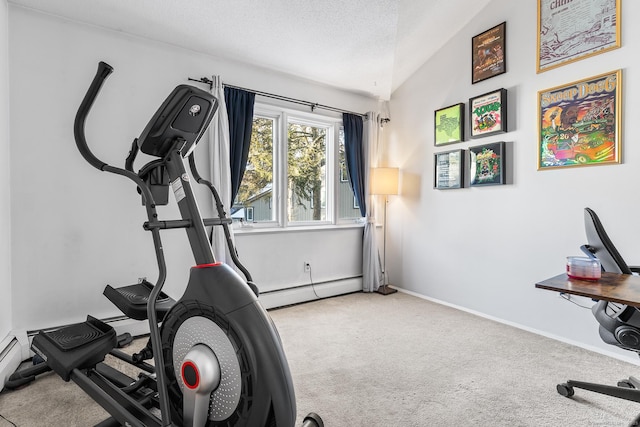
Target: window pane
[
  {"x": 254, "y": 200},
  {"x": 347, "y": 204},
  {"x": 307, "y": 173}
]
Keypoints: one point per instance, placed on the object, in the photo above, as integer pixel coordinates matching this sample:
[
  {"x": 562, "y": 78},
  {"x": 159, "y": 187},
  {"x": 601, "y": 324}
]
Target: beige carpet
[{"x": 372, "y": 360}]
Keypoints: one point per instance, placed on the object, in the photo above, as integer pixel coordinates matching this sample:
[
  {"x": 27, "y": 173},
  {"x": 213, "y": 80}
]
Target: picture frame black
[
  {"x": 448, "y": 125},
  {"x": 487, "y": 164},
  {"x": 449, "y": 170},
  {"x": 488, "y": 114},
  {"x": 489, "y": 53}
]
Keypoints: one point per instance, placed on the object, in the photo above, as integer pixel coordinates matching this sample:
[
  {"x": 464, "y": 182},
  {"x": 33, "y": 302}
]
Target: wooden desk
[{"x": 622, "y": 288}]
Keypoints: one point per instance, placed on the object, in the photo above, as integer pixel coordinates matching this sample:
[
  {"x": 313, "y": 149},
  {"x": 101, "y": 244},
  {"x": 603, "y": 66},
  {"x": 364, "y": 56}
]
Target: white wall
[
  {"x": 333, "y": 255},
  {"x": 5, "y": 215},
  {"x": 75, "y": 228},
  {"x": 484, "y": 248}
]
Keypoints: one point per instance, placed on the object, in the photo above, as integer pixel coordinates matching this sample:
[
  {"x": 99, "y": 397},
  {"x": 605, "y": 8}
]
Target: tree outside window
[{"x": 306, "y": 161}]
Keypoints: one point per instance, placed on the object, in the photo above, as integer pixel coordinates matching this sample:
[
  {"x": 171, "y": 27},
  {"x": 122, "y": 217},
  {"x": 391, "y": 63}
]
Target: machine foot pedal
[
  {"x": 132, "y": 300},
  {"x": 77, "y": 346}
]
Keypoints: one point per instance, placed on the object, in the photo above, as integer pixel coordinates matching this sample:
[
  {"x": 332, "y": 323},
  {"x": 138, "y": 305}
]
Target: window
[
  {"x": 343, "y": 170},
  {"x": 307, "y": 153},
  {"x": 295, "y": 172},
  {"x": 256, "y": 190}
]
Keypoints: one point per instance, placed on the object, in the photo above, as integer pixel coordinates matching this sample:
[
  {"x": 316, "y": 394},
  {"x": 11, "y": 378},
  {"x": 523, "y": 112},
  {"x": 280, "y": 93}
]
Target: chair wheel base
[{"x": 565, "y": 390}]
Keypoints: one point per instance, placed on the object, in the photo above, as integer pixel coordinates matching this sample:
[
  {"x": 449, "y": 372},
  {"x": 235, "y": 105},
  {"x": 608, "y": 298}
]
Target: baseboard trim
[{"x": 632, "y": 360}]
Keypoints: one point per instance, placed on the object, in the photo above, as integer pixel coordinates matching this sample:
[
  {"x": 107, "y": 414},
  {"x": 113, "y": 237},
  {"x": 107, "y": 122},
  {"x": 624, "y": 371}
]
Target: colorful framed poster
[
  {"x": 488, "y": 113},
  {"x": 449, "y": 125},
  {"x": 488, "y": 54},
  {"x": 449, "y": 170},
  {"x": 579, "y": 123},
  {"x": 487, "y": 164},
  {"x": 572, "y": 30}
]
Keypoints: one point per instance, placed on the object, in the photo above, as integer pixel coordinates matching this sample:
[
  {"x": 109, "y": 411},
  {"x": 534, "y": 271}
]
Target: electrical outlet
[{"x": 307, "y": 266}]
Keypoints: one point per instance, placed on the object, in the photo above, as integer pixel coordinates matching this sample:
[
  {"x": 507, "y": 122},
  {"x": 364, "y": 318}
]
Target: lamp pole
[
  {"x": 384, "y": 289},
  {"x": 384, "y": 181}
]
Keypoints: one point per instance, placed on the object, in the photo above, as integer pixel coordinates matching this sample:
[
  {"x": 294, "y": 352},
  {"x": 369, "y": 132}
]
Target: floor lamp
[{"x": 384, "y": 182}]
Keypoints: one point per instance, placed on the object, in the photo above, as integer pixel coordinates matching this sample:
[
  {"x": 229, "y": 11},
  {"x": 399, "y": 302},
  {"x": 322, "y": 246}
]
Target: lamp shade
[{"x": 384, "y": 181}]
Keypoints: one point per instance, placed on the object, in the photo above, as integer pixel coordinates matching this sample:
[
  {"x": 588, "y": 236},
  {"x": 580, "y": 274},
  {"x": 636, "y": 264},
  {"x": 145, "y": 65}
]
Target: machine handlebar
[{"x": 103, "y": 72}]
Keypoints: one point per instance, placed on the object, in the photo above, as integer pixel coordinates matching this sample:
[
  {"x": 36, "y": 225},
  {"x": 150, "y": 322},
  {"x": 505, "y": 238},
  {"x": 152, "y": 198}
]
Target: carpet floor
[{"x": 397, "y": 360}]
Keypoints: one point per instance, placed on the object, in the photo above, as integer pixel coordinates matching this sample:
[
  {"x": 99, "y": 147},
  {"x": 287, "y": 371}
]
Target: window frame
[
  {"x": 275, "y": 115},
  {"x": 318, "y": 121},
  {"x": 282, "y": 116}
]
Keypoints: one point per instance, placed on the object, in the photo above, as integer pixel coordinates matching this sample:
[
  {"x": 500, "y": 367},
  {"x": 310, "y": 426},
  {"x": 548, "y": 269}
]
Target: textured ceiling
[{"x": 365, "y": 46}]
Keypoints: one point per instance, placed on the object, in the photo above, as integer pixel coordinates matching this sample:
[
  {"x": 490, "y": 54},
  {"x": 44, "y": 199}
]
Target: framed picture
[
  {"x": 449, "y": 170},
  {"x": 449, "y": 125},
  {"x": 488, "y": 113},
  {"x": 486, "y": 164},
  {"x": 579, "y": 123},
  {"x": 572, "y": 30},
  {"x": 488, "y": 54}
]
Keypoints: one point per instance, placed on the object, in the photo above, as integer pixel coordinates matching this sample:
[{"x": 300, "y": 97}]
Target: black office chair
[{"x": 619, "y": 323}]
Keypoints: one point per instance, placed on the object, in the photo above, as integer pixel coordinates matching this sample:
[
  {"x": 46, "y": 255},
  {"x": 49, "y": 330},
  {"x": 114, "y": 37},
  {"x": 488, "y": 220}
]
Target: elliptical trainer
[{"x": 218, "y": 358}]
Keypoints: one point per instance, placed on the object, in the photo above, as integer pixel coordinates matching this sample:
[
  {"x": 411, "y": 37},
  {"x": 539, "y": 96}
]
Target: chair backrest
[
  {"x": 619, "y": 323},
  {"x": 601, "y": 246}
]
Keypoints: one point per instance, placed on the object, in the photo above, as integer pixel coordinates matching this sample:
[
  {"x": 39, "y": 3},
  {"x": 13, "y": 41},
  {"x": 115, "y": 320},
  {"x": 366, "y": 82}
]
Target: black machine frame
[{"x": 216, "y": 298}]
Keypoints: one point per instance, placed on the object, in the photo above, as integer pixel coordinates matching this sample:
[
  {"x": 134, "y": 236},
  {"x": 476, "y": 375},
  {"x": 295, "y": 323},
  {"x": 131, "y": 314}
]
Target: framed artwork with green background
[
  {"x": 487, "y": 164},
  {"x": 449, "y": 125}
]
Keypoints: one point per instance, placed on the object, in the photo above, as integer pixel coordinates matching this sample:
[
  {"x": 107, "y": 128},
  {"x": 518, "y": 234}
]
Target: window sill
[{"x": 296, "y": 229}]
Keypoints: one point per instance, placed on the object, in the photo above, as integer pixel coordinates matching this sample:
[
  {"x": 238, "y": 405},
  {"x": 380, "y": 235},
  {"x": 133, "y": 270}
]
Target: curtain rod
[{"x": 313, "y": 105}]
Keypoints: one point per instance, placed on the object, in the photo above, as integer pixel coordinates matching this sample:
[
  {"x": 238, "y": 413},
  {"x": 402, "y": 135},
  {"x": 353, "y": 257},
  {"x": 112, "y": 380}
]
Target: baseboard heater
[
  {"x": 11, "y": 355},
  {"x": 269, "y": 299},
  {"x": 309, "y": 292},
  {"x": 10, "y": 358}
]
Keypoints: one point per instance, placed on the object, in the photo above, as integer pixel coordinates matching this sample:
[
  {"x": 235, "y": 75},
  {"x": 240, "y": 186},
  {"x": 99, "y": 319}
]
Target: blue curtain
[
  {"x": 240, "y": 111},
  {"x": 354, "y": 154}
]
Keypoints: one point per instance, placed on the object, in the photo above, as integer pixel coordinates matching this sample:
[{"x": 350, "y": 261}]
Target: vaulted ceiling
[{"x": 365, "y": 46}]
